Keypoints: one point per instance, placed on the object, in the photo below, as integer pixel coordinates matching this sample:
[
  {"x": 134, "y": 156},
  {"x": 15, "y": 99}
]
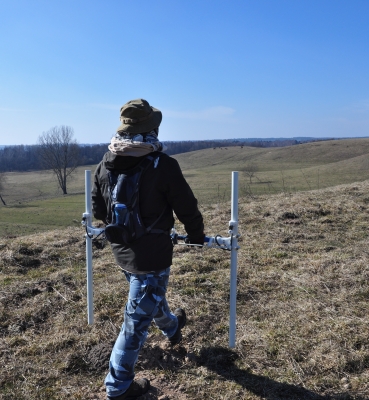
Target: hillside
[
  {"x": 289, "y": 169},
  {"x": 302, "y": 311},
  {"x": 268, "y": 159},
  {"x": 35, "y": 204}
]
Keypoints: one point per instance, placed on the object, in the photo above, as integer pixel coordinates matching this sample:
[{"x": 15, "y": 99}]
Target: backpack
[{"x": 127, "y": 225}]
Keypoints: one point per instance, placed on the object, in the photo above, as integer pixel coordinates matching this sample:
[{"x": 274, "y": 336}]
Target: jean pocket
[{"x": 147, "y": 303}]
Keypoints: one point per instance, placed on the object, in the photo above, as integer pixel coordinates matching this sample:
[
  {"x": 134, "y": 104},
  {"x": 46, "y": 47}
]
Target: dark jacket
[{"x": 163, "y": 186}]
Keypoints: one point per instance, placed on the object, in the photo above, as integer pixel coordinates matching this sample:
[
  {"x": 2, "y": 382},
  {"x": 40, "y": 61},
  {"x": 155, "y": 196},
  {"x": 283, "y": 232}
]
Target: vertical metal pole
[
  {"x": 88, "y": 215},
  {"x": 233, "y": 229}
]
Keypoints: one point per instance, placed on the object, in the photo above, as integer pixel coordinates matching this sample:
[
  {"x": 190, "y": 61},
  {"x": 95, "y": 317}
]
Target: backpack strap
[
  {"x": 145, "y": 164},
  {"x": 150, "y": 230}
]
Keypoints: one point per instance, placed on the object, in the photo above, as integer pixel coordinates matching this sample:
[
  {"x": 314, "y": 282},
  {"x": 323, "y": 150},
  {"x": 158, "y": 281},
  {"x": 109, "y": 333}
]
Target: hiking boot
[
  {"x": 181, "y": 316},
  {"x": 136, "y": 389}
]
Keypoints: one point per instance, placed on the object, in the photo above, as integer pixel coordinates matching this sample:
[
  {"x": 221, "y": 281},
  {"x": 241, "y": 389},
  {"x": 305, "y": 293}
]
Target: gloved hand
[{"x": 197, "y": 240}]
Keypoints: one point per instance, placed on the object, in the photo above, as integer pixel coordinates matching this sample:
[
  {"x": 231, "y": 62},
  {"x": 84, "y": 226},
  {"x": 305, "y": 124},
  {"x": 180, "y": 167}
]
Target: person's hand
[{"x": 195, "y": 240}]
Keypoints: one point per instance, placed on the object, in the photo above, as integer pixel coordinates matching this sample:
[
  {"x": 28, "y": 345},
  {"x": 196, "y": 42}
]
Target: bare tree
[
  {"x": 249, "y": 169},
  {"x": 2, "y": 185},
  {"x": 59, "y": 152}
]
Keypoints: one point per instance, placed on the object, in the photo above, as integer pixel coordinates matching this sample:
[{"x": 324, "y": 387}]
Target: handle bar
[
  {"x": 218, "y": 241},
  {"x": 184, "y": 237}
]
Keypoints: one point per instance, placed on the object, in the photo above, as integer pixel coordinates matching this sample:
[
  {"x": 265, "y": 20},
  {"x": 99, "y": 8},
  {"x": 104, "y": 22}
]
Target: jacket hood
[{"x": 113, "y": 161}]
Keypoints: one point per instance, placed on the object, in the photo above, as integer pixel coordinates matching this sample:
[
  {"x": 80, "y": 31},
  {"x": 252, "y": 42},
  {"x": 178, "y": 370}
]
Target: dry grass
[
  {"x": 302, "y": 311},
  {"x": 307, "y": 166}
]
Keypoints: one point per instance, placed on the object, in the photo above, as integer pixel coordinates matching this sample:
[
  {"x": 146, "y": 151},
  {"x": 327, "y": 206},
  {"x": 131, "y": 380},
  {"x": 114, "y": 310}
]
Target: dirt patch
[
  {"x": 160, "y": 389},
  {"x": 19, "y": 295},
  {"x": 289, "y": 215},
  {"x": 156, "y": 355},
  {"x": 99, "y": 355}
]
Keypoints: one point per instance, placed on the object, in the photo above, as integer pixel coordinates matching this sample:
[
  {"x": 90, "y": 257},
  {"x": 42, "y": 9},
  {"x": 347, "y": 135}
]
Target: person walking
[{"x": 145, "y": 261}]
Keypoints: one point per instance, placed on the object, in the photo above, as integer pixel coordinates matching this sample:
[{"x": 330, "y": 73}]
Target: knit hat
[{"x": 137, "y": 116}]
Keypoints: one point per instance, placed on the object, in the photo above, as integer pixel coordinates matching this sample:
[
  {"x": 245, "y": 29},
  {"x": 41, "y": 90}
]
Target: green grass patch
[{"x": 42, "y": 215}]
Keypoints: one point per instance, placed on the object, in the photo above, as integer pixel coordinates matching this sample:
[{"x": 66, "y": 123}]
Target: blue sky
[{"x": 216, "y": 69}]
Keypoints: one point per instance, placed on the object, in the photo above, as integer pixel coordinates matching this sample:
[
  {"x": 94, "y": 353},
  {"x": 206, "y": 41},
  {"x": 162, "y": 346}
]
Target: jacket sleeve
[
  {"x": 99, "y": 208},
  {"x": 181, "y": 198}
]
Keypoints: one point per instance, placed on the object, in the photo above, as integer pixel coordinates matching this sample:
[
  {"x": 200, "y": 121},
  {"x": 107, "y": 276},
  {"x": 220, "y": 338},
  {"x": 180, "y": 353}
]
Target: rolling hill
[
  {"x": 34, "y": 203},
  {"x": 289, "y": 169}
]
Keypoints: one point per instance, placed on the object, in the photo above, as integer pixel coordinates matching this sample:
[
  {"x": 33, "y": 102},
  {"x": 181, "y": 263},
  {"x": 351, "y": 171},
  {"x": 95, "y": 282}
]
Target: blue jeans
[{"x": 146, "y": 302}]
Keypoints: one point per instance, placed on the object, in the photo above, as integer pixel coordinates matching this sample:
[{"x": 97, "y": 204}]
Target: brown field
[{"x": 302, "y": 311}]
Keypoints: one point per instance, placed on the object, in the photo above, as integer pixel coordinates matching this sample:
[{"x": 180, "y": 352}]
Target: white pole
[
  {"x": 88, "y": 216},
  {"x": 233, "y": 229}
]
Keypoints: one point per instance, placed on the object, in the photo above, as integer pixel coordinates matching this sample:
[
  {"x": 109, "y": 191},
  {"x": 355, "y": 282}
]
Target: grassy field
[
  {"x": 302, "y": 308},
  {"x": 42, "y": 215},
  {"x": 23, "y": 187},
  {"x": 35, "y": 204}
]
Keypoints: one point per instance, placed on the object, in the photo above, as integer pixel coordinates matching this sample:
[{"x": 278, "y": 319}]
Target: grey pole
[
  {"x": 88, "y": 216},
  {"x": 233, "y": 230}
]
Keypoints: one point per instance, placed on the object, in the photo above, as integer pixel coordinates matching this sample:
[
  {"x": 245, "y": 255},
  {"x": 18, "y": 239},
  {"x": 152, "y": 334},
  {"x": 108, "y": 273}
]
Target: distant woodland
[{"x": 27, "y": 158}]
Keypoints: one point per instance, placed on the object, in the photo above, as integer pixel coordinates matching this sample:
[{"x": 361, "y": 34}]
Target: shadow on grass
[
  {"x": 221, "y": 361},
  {"x": 25, "y": 205}
]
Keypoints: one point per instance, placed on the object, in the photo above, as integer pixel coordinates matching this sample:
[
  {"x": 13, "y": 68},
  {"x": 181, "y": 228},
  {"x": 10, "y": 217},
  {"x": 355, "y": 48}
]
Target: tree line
[
  {"x": 58, "y": 152},
  {"x": 29, "y": 157}
]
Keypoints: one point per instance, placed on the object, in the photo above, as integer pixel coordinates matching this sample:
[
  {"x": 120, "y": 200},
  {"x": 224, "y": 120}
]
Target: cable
[
  {"x": 91, "y": 237},
  {"x": 216, "y": 240},
  {"x": 220, "y": 245}
]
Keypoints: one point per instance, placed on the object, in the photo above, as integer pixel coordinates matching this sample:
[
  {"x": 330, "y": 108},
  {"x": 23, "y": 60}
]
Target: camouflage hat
[{"x": 137, "y": 116}]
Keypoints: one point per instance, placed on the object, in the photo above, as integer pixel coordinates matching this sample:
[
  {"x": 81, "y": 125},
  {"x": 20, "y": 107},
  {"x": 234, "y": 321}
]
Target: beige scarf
[{"x": 127, "y": 147}]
